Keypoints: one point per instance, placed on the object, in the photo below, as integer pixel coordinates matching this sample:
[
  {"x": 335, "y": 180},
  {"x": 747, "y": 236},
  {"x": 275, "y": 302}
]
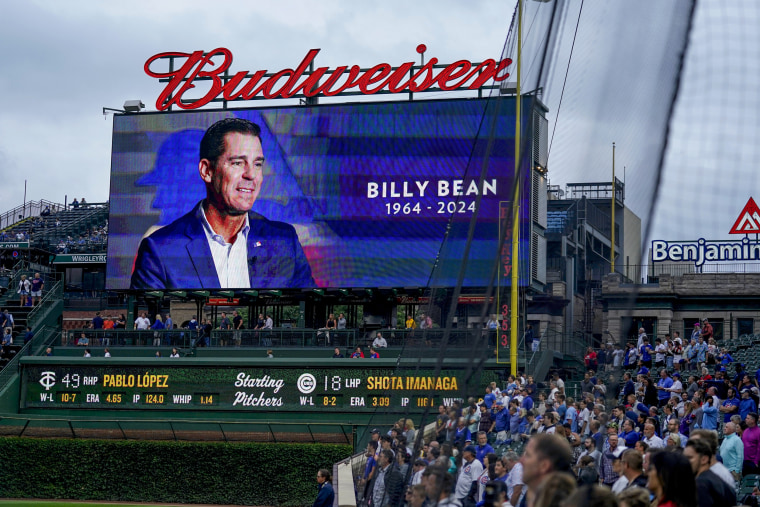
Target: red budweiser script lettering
[{"x": 290, "y": 82}]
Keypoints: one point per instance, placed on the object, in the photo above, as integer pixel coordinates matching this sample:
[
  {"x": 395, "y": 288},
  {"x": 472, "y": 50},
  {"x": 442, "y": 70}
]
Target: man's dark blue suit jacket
[{"x": 177, "y": 256}]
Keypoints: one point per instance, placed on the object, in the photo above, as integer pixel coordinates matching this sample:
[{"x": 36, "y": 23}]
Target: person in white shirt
[
  {"x": 553, "y": 393},
  {"x": 142, "y": 322},
  {"x": 469, "y": 473},
  {"x": 379, "y": 342},
  {"x": 659, "y": 353},
  {"x": 617, "y": 357},
  {"x": 559, "y": 382},
  {"x": 515, "y": 485},
  {"x": 652, "y": 440},
  {"x": 640, "y": 339},
  {"x": 584, "y": 418},
  {"x": 106, "y": 353}
]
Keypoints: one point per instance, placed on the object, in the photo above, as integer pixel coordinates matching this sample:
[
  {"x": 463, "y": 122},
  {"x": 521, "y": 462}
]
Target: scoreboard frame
[{"x": 243, "y": 386}]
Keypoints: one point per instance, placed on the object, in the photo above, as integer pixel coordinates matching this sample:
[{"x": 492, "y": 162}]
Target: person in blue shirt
[
  {"x": 489, "y": 398},
  {"x": 527, "y": 402},
  {"x": 701, "y": 350},
  {"x": 746, "y": 404},
  {"x": 514, "y": 421},
  {"x": 665, "y": 383},
  {"x": 28, "y": 335},
  {"x": 628, "y": 387},
  {"x": 724, "y": 357},
  {"x": 629, "y": 434},
  {"x": 482, "y": 449},
  {"x": 571, "y": 415},
  {"x": 710, "y": 414},
  {"x": 500, "y": 423},
  {"x": 326, "y": 495},
  {"x": 646, "y": 353},
  {"x": 561, "y": 408},
  {"x": 730, "y": 406},
  {"x": 643, "y": 370},
  {"x": 461, "y": 433}
]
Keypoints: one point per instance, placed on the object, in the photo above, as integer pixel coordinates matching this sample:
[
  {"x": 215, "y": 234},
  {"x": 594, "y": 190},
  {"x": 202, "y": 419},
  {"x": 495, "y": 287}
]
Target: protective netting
[
  {"x": 606, "y": 72},
  {"x": 709, "y": 172}
]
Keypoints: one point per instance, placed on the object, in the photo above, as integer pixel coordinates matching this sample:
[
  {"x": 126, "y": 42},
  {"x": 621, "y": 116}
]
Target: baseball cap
[
  {"x": 471, "y": 448},
  {"x": 375, "y": 430},
  {"x": 676, "y": 374},
  {"x": 499, "y": 402}
]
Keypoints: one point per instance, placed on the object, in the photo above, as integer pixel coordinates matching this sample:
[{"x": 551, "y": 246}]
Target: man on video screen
[{"x": 221, "y": 243}]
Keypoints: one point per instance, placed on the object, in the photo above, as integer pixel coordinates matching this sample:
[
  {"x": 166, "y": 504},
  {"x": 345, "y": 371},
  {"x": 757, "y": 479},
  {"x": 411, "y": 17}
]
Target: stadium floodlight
[{"x": 133, "y": 106}]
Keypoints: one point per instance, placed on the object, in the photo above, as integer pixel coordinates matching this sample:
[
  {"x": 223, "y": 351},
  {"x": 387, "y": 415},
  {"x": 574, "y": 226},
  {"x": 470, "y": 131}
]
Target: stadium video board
[
  {"x": 340, "y": 196},
  {"x": 348, "y": 388}
]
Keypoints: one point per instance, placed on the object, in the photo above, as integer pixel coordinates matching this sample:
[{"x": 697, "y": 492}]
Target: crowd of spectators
[
  {"x": 644, "y": 436},
  {"x": 94, "y": 239}
]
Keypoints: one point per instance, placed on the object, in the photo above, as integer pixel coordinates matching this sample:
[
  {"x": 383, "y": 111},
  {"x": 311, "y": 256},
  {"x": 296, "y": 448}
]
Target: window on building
[
  {"x": 633, "y": 325},
  {"x": 745, "y": 326}
]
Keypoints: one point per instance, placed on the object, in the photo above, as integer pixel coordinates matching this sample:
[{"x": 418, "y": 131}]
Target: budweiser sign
[{"x": 288, "y": 83}]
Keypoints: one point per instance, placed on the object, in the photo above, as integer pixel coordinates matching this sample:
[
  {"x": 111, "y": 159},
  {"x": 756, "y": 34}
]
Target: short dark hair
[
  {"x": 701, "y": 447},
  {"x": 444, "y": 481},
  {"x": 710, "y": 437},
  {"x": 212, "y": 144},
  {"x": 555, "y": 449}
]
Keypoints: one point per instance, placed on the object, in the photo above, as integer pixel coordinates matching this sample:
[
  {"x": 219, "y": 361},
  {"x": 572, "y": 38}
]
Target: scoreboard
[{"x": 191, "y": 384}]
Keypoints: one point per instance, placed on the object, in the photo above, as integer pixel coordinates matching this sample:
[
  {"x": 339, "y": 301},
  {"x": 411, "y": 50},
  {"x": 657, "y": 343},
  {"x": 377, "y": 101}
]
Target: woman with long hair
[
  {"x": 488, "y": 474},
  {"x": 650, "y": 393},
  {"x": 671, "y": 480},
  {"x": 688, "y": 418}
]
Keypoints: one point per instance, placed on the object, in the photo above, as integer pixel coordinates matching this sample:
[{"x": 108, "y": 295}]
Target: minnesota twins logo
[{"x": 47, "y": 380}]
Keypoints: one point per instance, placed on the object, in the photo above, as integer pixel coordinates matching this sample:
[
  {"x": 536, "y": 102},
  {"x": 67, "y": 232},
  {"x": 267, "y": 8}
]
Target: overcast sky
[{"x": 64, "y": 61}]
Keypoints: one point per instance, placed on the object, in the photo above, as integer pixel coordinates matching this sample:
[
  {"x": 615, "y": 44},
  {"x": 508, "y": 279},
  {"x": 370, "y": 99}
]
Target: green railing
[
  {"x": 49, "y": 308},
  {"x": 280, "y": 337},
  {"x": 42, "y": 339}
]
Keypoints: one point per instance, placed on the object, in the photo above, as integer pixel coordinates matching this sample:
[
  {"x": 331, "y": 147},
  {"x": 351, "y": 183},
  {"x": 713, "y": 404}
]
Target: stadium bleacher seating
[{"x": 74, "y": 226}]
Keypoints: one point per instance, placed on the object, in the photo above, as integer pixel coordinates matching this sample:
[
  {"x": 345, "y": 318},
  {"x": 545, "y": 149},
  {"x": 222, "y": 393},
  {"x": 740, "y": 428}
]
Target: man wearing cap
[
  {"x": 677, "y": 387},
  {"x": 607, "y": 473},
  {"x": 746, "y": 405},
  {"x": 467, "y": 487},
  {"x": 500, "y": 423}
]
